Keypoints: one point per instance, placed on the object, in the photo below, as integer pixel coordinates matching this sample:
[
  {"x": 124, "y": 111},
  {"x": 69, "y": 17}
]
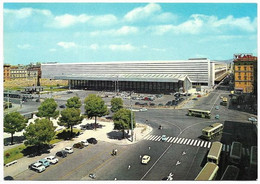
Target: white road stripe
[
  {"x": 188, "y": 141},
  {"x": 205, "y": 145},
  {"x": 185, "y": 141},
  {"x": 154, "y": 138},
  {"x": 179, "y": 140},
  {"x": 191, "y": 141},
  {"x": 223, "y": 148},
  {"x": 202, "y": 142},
  {"x": 198, "y": 143},
  {"x": 169, "y": 139},
  {"x": 173, "y": 139},
  {"x": 195, "y": 142},
  {"x": 176, "y": 139},
  {"x": 150, "y": 136},
  {"x": 158, "y": 139},
  {"x": 227, "y": 148},
  {"x": 209, "y": 145},
  {"x": 182, "y": 140}
]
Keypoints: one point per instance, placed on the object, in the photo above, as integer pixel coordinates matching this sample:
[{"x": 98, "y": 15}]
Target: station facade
[{"x": 138, "y": 76}]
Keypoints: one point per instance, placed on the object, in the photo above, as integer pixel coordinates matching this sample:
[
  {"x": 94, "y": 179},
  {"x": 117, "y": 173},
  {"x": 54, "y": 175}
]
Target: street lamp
[{"x": 132, "y": 128}]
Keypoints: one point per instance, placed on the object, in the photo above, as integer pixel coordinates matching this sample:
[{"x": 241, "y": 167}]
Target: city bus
[
  {"x": 199, "y": 113},
  {"x": 212, "y": 131},
  {"x": 224, "y": 101},
  {"x": 208, "y": 172},
  {"x": 235, "y": 153},
  {"x": 231, "y": 173},
  {"x": 214, "y": 152}
]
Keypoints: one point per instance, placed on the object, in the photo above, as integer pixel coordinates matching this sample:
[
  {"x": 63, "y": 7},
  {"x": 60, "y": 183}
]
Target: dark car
[
  {"x": 62, "y": 106},
  {"x": 137, "y": 103},
  {"x": 92, "y": 140},
  {"x": 78, "y": 145},
  {"x": 62, "y": 154},
  {"x": 160, "y": 104},
  {"x": 168, "y": 103},
  {"x": 152, "y": 104}
]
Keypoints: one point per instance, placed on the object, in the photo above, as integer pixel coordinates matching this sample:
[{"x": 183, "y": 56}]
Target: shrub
[{"x": 7, "y": 155}]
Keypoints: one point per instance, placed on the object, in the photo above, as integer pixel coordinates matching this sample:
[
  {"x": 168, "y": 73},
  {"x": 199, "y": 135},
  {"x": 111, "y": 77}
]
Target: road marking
[
  {"x": 179, "y": 140},
  {"x": 154, "y": 137},
  {"x": 202, "y": 142},
  {"x": 185, "y": 141},
  {"x": 146, "y": 137},
  {"x": 149, "y": 137},
  {"x": 191, "y": 141},
  {"x": 156, "y": 162},
  {"x": 157, "y": 139},
  {"x": 182, "y": 140},
  {"x": 195, "y": 142},
  {"x": 223, "y": 148},
  {"x": 198, "y": 143},
  {"x": 209, "y": 145},
  {"x": 169, "y": 139},
  {"x": 176, "y": 139},
  {"x": 188, "y": 141},
  {"x": 173, "y": 139},
  {"x": 205, "y": 145},
  {"x": 227, "y": 148}
]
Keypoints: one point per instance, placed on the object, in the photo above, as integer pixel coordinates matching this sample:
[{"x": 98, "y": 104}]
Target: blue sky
[{"x": 94, "y": 32}]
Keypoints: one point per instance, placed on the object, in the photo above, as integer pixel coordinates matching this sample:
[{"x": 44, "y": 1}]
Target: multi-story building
[
  {"x": 18, "y": 72},
  {"x": 245, "y": 72},
  {"x": 7, "y": 73}
]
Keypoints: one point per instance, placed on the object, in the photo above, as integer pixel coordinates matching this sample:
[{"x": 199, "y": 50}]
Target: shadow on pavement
[{"x": 118, "y": 135}]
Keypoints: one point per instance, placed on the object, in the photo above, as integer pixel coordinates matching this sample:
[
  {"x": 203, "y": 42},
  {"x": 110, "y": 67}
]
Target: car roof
[
  {"x": 50, "y": 156},
  {"x": 145, "y": 156},
  {"x": 68, "y": 147},
  {"x": 43, "y": 160},
  {"x": 37, "y": 164}
]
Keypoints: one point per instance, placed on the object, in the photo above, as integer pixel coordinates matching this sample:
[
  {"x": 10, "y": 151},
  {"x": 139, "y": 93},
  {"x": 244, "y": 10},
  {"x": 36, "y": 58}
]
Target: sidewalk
[{"x": 106, "y": 133}]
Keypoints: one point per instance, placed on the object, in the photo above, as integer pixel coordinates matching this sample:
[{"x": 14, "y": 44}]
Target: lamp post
[{"x": 132, "y": 128}]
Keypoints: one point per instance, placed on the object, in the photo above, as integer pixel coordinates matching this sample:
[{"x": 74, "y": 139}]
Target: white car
[
  {"x": 143, "y": 110},
  {"x": 145, "y": 159},
  {"x": 253, "y": 119},
  {"x": 68, "y": 150},
  {"x": 52, "y": 159},
  {"x": 38, "y": 167},
  {"x": 164, "y": 138},
  {"x": 84, "y": 142}
]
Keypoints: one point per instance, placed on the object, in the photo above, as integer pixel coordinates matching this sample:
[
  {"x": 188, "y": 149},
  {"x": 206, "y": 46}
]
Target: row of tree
[{"x": 42, "y": 131}]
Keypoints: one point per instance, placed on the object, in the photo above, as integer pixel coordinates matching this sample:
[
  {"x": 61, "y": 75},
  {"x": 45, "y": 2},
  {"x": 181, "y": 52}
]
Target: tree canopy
[
  {"x": 40, "y": 132},
  {"x": 116, "y": 104},
  {"x": 48, "y": 108},
  {"x": 14, "y": 122},
  {"x": 73, "y": 102},
  {"x": 95, "y": 107},
  {"x": 122, "y": 120},
  {"x": 69, "y": 118}
]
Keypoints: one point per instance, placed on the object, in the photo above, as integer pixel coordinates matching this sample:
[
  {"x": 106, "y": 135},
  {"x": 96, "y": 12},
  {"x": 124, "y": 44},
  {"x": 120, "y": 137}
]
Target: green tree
[
  {"x": 73, "y": 102},
  {"x": 95, "y": 107},
  {"x": 116, "y": 104},
  {"x": 122, "y": 120},
  {"x": 14, "y": 122},
  {"x": 48, "y": 108},
  {"x": 40, "y": 132},
  {"x": 69, "y": 118}
]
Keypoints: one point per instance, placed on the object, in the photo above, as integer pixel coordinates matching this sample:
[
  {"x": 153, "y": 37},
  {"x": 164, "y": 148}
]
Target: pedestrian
[
  {"x": 129, "y": 166},
  {"x": 115, "y": 151},
  {"x": 115, "y": 179},
  {"x": 140, "y": 156},
  {"x": 149, "y": 147}
]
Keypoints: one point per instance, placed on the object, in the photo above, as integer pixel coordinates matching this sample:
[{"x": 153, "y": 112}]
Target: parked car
[
  {"x": 169, "y": 103},
  {"x": 160, "y": 104},
  {"x": 38, "y": 167},
  {"x": 152, "y": 104},
  {"x": 194, "y": 99},
  {"x": 253, "y": 119},
  {"x": 143, "y": 110},
  {"x": 92, "y": 140},
  {"x": 62, "y": 106},
  {"x": 217, "y": 107},
  {"x": 78, "y": 145},
  {"x": 44, "y": 162},
  {"x": 52, "y": 159},
  {"x": 217, "y": 116},
  {"x": 145, "y": 159},
  {"x": 68, "y": 150},
  {"x": 62, "y": 154},
  {"x": 164, "y": 138},
  {"x": 137, "y": 103},
  {"x": 84, "y": 142}
]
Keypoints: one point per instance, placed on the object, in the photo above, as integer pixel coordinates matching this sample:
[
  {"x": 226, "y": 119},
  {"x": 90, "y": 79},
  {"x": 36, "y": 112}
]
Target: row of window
[
  {"x": 245, "y": 78},
  {"x": 246, "y": 83},
  {"x": 245, "y": 67}
]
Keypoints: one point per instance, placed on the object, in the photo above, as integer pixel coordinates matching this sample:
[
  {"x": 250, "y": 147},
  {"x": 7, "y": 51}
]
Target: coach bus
[
  {"x": 208, "y": 172},
  {"x": 231, "y": 173},
  {"x": 212, "y": 131},
  {"x": 224, "y": 101},
  {"x": 235, "y": 153},
  {"x": 199, "y": 113},
  {"x": 214, "y": 152}
]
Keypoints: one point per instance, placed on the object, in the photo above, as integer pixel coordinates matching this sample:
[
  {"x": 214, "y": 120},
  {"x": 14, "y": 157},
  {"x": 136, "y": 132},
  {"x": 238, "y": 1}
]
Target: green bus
[
  {"x": 208, "y": 172},
  {"x": 214, "y": 152},
  {"x": 212, "y": 131}
]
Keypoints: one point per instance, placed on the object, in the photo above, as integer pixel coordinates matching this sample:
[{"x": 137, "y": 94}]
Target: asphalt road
[{"x": 182, "y": 159}]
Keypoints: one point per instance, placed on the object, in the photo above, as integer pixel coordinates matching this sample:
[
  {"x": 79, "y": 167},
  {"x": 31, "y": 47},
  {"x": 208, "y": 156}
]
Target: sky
[{"x": 103, "y": 32}]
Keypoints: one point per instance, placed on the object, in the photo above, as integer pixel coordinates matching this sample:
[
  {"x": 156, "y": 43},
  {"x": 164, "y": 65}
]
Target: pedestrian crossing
[{"x": 180, "y": 140}]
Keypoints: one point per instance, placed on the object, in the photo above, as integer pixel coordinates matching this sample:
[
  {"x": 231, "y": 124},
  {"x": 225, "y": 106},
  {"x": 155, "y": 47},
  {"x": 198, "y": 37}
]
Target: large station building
[{"x": 138, "y": 76}]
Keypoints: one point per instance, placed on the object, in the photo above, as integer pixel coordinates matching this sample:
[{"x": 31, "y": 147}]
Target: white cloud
[
  {"x": 122, "y": 47},
  {"x": 123, "y": 31},
  {"x": 142, "y": 12},
  {"x": 102, "y": 20},
  {"x": 67, "y": 45},
  {"x": 94, "y": 46},
  {"x": 24, "y": 46},
  {"x": 26, "y": 12}
]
